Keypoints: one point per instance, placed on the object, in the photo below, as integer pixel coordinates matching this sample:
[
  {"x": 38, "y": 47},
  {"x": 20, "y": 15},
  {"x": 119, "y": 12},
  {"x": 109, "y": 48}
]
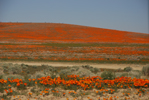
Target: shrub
[
  {"x": 34, "y": 66},
  {"x": 1, "y": 76},
  {"x": 5, "y": 97},
  {"x": 38, "y": 75},
  {"x": 145, "y": 70},
  {"x": 107, "y": 75},
  {"x": 26, "y": 77},
  {"x": 15, "y": 69},
  {"x": 83, "y": 72},
  {"x": 13, "y": 77},
  {"x": 124, "y": 75},
  {"x": 5, "y": 68},
  {"x": 86, "y": 66},
  {"x": 33, "y": 90},
  {"x": 95, "y": 70},
  {"x": 127, "y": 69},
  {"x": 24, "y": 67},
  {"x": 63, "y": 73},
  {"x": 12, "y": 68}
]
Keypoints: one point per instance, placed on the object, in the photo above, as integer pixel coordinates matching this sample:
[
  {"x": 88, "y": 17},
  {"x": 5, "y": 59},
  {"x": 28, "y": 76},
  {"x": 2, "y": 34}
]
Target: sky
[{"x": 125, "y": 15}]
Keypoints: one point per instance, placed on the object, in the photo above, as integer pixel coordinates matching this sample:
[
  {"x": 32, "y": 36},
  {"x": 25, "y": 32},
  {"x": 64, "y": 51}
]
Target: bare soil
[{"x": 70, "y": 64}]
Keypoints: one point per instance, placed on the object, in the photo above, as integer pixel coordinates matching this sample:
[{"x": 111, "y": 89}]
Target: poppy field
[
  {"x": 73, "y": 43},
  {"x": 47, "y": 82},
  {"x": 65, "y": 33},
  {"x": 83, "y": 53},
  {"x": 58, "y": 42}
]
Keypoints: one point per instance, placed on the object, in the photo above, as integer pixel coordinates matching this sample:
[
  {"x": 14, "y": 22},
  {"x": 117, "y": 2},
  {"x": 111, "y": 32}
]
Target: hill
[
  {"x": 71, "y": 43},
  {"x": 66, "y": 33}
]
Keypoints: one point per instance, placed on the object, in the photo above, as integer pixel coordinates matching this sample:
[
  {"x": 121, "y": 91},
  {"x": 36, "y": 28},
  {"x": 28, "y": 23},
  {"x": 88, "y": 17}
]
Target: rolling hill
[{"x": 65, "y": 33}]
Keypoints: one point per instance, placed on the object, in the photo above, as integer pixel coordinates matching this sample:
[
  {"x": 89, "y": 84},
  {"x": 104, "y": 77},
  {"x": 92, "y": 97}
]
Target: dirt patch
[{"x": 70, "y": 64}]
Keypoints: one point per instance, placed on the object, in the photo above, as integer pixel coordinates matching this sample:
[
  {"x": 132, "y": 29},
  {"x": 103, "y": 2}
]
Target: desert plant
[
  {"x": 14, "y": 69},
  {"x": 13, "y": 77},
  {"x": 5, "y": 97},
  {"x": 26, "y": 77},
  {"x": 94, "y": 70},
  {"x": 34, "y": 66},
  {"x": 28, "y": 72},
  {"x": 21, "y": 86},
  {"x": 107, "y": 75},
  {"x": 141, "y": 90},
  {"x": 124, "y": 75},
  {"x": 73, "y": 94},
  {"x": 145, "y": 70},
  {"x": 33, "y": 90},
  {"x": 24, "y": 67},
  {"x": 1, "y": 76},
  {"x": 100, "y": 93},
  {"x": 126, "y": 92},
  {"x": 1, "y": 89},
  {"x": 38, "y": 75},
  {"x": 5, "y": 68},
  {"x": 127, "y": 69},
  {"x": 86, "y": 66},
  {"x": 63, "y": 74},
  {"x": 119, "y": 69},
  {"x": 55, "y": 93}
]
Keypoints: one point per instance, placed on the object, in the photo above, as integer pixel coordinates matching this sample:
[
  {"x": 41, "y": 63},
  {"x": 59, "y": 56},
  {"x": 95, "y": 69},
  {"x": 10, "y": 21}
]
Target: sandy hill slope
[{"x": 66, "y": 33}]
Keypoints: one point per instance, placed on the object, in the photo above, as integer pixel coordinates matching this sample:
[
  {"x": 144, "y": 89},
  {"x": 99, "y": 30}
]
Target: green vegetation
[
  {"x": 108, "y": 75},
  {"x": 83, "y": 44},
  {"x": 61, "y": 45},
  {"x": 80, "y": 61},
  {"x": 127, "y": 69}
]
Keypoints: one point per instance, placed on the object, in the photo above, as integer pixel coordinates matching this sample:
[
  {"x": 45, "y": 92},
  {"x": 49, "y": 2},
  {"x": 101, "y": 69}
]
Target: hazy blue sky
[{"x": 126, "y": 15}]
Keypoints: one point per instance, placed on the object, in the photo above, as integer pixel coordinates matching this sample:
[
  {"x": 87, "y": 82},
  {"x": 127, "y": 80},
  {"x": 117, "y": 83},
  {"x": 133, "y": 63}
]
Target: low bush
[
  {"x": 145, "y": 70},
  {"x": 127, "y": 69},
  {"x": 107, "y": 75}
]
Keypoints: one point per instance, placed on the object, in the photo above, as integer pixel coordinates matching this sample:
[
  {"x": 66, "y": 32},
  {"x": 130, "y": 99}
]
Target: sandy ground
[{"x": 70, "y": 64}]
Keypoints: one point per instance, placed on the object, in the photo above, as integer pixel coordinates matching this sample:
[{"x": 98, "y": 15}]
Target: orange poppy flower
[
  {"x": 6, "y": 91},
  {"x": 25, "y": 84}
]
